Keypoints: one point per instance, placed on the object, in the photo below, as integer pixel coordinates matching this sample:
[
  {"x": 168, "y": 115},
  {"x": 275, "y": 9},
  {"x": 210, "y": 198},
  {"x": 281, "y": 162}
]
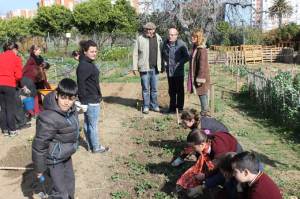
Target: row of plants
[{"x": 277, "y": 97}]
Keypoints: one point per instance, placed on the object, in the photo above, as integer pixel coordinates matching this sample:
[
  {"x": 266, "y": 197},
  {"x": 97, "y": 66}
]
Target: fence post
[
  {"x": 212, "y": 99},
  {"x": 237, "y": 80}
]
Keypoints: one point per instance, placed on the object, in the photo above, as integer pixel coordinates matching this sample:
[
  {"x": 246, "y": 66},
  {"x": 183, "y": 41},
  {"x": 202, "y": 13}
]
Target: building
[
  {"x": 261, "y": 18},
  {"x": 67, "y": 3},
  {"x": 27, "y": 13}
]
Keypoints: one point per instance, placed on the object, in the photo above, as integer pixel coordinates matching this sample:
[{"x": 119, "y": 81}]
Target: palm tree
[{"x": 279, "y": 9}]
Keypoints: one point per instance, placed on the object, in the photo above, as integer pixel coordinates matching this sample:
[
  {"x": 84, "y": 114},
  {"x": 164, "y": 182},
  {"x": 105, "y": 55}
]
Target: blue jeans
[
  {"x": 149, "y": 82},
  {"x": 91, "y": 119},
  {"x": 204, "y": 103}
]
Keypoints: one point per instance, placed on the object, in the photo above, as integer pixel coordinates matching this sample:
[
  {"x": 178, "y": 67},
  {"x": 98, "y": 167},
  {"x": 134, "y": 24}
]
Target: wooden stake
[
  {"x": 16, "y": 168},
  {"x": 177, "y": 115},
  {"x": 212, "y": 99}
]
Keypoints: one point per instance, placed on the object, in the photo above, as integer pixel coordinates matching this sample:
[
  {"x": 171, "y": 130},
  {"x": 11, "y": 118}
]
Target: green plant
[
  {"x": 162, "y": 195},
  {"x": 120, "y": 195},
  {"x": 143, "y": 186},
  {"x": 136, "y": 168}
]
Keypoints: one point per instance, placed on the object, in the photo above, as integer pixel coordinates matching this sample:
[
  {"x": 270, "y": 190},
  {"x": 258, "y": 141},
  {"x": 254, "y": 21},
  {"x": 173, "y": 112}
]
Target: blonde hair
[{"x": 199, "y": 35}]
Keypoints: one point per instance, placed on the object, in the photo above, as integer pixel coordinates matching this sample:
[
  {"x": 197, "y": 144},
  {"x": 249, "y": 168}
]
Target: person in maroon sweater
[
  {"x": 245, "y": 167},
  {"x": 191, "y": 119},
  {"x": 219, "y": 143},
  {"x": 10, "y": 75}
]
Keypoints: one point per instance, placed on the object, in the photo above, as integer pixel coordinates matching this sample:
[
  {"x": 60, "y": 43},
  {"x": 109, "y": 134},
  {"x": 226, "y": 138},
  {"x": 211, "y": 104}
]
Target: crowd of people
[{"x": 221, "y": 166}]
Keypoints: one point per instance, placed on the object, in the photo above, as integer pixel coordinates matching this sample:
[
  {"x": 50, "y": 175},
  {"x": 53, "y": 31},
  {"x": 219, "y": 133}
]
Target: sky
[{"x": 7, "y": 5}]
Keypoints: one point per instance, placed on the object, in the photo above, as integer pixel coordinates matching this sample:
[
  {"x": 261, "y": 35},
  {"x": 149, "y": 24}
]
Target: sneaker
[
  {"x": 146, "y": 110},
  {"x": 156, "y": 109},
  {"x": 5, "y": 132},
  {"x": 178, "y": 161},
  {"x": 101, "y": 149},
  {"x": 13, "y": 133}
]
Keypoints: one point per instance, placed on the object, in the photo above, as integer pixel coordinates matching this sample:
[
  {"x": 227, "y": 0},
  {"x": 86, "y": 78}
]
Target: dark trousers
[
  {"x": 176, "y": 92},
  {"x": 62, "y": 175},
  {"x": 8, "y": 108}
]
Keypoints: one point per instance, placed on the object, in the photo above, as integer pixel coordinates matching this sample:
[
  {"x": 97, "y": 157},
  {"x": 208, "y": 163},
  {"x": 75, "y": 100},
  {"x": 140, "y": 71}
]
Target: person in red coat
[
  {"x": 10, "y": 75},
  {"x": 246, "y": 170}
]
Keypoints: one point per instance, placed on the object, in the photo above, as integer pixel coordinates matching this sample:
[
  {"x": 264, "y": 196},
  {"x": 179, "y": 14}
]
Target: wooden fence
[{"x": 247, "y": 54}]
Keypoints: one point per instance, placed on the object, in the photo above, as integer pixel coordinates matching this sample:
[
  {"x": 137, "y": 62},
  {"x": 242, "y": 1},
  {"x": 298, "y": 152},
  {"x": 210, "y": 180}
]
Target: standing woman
[
  {"x": 32, "y": 71},
  {"x": 199, "y": 78},
  {"x": 89, "y": 94},
  {"x": 10, "y": 74}
]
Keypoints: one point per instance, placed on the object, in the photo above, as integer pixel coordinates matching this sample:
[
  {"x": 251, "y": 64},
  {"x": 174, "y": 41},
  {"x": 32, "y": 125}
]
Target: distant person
[
  {"x": 42, "y": 80},
  {"x": 89, "y": 94},
  {"x": 10, "y": 75},
  {"x": 76, "y": 54},
  {"x": 199, "y": 78},
  {"x": 147, "y": 61},
  {"x": 56, "y": 139},
  {"x": 175, "y": 54},
  {"x": 32, "y": 71},
  {"x": 246, "y": 170}
]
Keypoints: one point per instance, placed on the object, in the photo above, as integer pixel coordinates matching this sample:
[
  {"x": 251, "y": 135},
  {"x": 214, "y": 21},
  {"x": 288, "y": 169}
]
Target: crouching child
[
  {"x": 246, "y": 169},
  {"x": 56, "y": 139}
]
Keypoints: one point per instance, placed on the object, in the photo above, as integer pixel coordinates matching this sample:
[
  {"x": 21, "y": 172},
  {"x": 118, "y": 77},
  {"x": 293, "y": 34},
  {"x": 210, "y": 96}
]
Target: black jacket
[
  {"x": 181, "y": 57},
  {"x": 56, "y": 136},
  {"x": 213, "y": 125},
  {"x": 88, "y": 81}
]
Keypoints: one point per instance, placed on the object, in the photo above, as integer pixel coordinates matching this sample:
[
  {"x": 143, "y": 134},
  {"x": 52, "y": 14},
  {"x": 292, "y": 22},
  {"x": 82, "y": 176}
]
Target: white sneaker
[{"x": 178, "y": 161}]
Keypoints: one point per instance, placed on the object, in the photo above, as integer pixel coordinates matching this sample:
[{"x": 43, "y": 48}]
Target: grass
[{"x": 157, "y": 139}]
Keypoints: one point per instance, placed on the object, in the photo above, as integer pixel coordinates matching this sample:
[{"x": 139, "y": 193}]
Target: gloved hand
[{"x": 178, "y": 161}]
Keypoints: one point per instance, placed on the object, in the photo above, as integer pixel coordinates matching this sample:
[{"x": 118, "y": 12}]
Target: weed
[
  {"x": 242, "y": 132},
  {"x": 136, "y": 168},
  {"x": 120, "y": 195},
  {"x": 143, "y": 186},
  {"x": 138, "y": 140},
  {"x": 162, "y": 195}
]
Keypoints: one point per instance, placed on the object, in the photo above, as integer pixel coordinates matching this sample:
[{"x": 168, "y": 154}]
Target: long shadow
[
  {"x": 171, "y": 173},
  {"x": 30, "y": 185},
  {"x": 122, "y": 101},
  {"x": 267, "y": 161},
  {"x": 248, "y": 106}
]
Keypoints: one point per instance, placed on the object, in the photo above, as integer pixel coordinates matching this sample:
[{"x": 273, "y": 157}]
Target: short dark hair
[
  {"x": 196, "y": 137},
  {"x": 75, "y": 53},
  {"x": 191, "y": 114},
  {"x": 225, "y": 162},
  {"x": 10, "y": 46},
  {"x": 67, "y": 87},
  {"x": 85, "y": 45},
  {"x": 246, "y": 160}
]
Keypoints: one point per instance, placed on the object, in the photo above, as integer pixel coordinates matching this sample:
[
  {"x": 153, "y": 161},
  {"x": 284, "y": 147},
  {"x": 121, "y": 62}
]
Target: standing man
[
  {"x": 147, "y": 60},
  {"x": 175, "y": 54}
]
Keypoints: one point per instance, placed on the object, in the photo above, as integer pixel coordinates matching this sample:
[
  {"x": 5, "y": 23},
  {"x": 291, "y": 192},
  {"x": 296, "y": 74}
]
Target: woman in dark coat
[{"x": 199, "y": 78}]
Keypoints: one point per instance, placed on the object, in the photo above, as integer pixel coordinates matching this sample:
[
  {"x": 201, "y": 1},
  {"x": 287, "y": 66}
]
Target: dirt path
[{"x": 93, "y": 172}]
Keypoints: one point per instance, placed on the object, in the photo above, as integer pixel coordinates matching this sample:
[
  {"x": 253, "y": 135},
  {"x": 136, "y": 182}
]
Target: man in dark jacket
[
  {"x": 175, "y": 55},
  {"x": 89, "y": 94},
  {"x": 56, "y": 139}
]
